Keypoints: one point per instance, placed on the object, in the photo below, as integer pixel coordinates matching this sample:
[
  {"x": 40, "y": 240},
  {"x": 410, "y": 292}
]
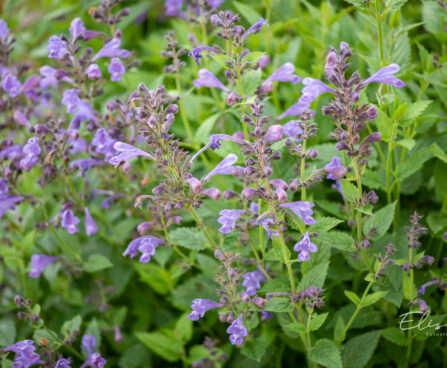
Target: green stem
[
  {"x": 410, "y": 330},
  {"x": 200, "y": 224},
  {"x": 61, "y": 343},
  {"x": 182, "y": 108},
  {"x": 379, "y": 30}
]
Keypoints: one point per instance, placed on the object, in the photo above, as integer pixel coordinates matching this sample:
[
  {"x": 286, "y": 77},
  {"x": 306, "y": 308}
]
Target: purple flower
[
  {"x": 207, "y": 79},
  {"x": 224, "y": 167},
  {"x": 252, "y": 281},
  {"x": 63, "y": 363},
  {"x": 228, "y": 220},
  {"x": 70, "y": 99},
  {"x": 174, "y": 7},
  {"x": 331, "y": 61},
  {"x": 284, "y": 74},
  {"x": 372, "y": 113},
  {"x": 112, "y": 49},
  {"x": 265, "y": 316},
  {"x": 264, "y": 61},
  {"x": 199, "y": 307},
  {"x": 292, "y": 129},
  {"x": 295, "y": 110},
  {"x": 32, "y": 151},
  {"x": 57, "y": 48},
  {"x": 25, "y": 355},
  {"x": 255, "y": 28},
  {"x": 127, "y": 152},
  {"x": 88, "y": 343},
  {"x": 103, "y": 143},
  {"x": 214, "y": 4},
  {"x": 421, "y": 290},
  {"x": 335, "y": 169},
  {"x": 76, "y": 27},
  {"x": 38, "y": 263},
  {"x": 52, "y": 76},
  {"x": 69, "y": 221},
  {"x": 422, "y": 306},
  {"x": 11, "y": 84},
  {"x": 304, "y": 246},
  {"x": 84, "y": 164},
  {"x": 274, "y": 133},
  {"x": 84, "y": 111},
  {"x": 386, "y": 76},
  {"x": 94, "y": 360},
  {"x": 90, "y": 226},
  {"x": 267, "y": 223},
  {"x": 237, "y": 331},
  {"x": 21, "y": 119},
  {"x": 195, "y": 52},
  {"x": 313, "y": 89},
  {"x": 194, "y": 184},
  {"x": 213, "y": 193},
  {"x": 146, "y": 245},
  {"x": 3, "y": 187},
  {"x": 93, "y": 72},
  {"x": 7, "y": 202},
  {"x": 302, "y": 210},
  {"x": 4, "y": 30},
  {"x": 116, "y": 69}
]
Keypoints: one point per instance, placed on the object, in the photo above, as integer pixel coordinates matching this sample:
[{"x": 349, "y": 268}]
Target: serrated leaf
[
  {"x": 412, "y": 164},
  {"x": 339, "y": 328},
  {"x": 155, "y": 276},
  {"x": 250, "y": 82},
  {"x": 277, "y": 248},
  {"x": 352, "y": 297},
  {"x": 72, "y": 325},
  {"x": 317, "y": 321},
  {"x": 395, "y": 335},
  {"x": 335, "y": 239},
  {"x": 381, "y": 221},
  {"x": 373, "y": 298},
  {"x": 167, "y": 347},
  {"x": 188, "y": 237},
  {"x": 7, "y": 332},
  {"x": 325, "y": 224},
  {"x": 358, "y": 350},
  {"x": 414, "y": 111},
  {"x": 279, "y": 304},
  {"x": 256, "y": 348},
  {"x": 407, "y": 143},
  {"x": 349, "y": 190},
  {"x": 97, "y": 262},
  {"x": 438, "y": 152},
  {"x": 326, "y": 353},
  {"x": 384, "y": 125},
  {"x": 183, "y": 328},
  {"x": 314, "y": 277}
]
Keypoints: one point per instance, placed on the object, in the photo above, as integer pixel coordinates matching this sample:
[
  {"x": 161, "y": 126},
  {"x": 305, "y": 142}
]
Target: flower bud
[
  {"x": 177, "y": 220},
  {"x": 374, "y": 137},
  {"x": 274, "y": 133},
  {"x": 244, "y": 296},
  {"x": 341, "y": 146},
  {"x": 282, "y": 195},
  {"x": 268, "y": 171},
  {"x": 264, "y": 61},
  {"x": 126, "y": 167},
  {"x": 118, "y": 335},
  {"x": 194, "y": 184},
  {"x": 229, "y": 194},
  {"x": 265, "y": 88},
  {"x": 172, "y": 109},
  {"x": 233, "y": 98},
  {"x": 293, "y": 186},
  {"x": 144, "y": 227},
  {"x": 18, "y": 300},
  {"x": 249, "y": 193},
  {"x": 259, "y": 302},
  {"x": 213, "y": 193},
  {"x": 219, "y": 255},
  {"x": 158, "y": 189}
]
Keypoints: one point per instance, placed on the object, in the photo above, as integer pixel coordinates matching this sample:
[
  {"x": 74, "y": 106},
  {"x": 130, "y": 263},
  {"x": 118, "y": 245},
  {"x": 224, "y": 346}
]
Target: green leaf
[
  {"x": 155, "y": 276},
  {"x": 44, "y": 334},
  {"x": 256, "y": 348},
  {"x": 183, "y": 328},
  {"x": 7, "y": 332},
  {"x": 97, "y": 262},
  {"x": 168, "y": 348},
  {"x": 203, "y": 133},
  {"x": 250, "y": 82},
  {"x": 339, "y": 328},
  {"x": 352, "y": 297},
  {"x": 326, "y": 353},
  {"x": 314, "y": 277},
  {"x": 325, "y": 224},
  {"x": 188, "y": 237},
  {"x": 397, "y": 4},
  {"x": 373, "y": 298},
  {"x": 279, "y": 304},
  {"x": 407, "y": 143},
  {"x": 349, "y": 190},
  {"x": 395, "y": 335},
  {"x": 69, "y": 326},
  {"x": 358, "y": 350},
  {"x": 384, "y": 125},
  {"x": 317, "y": 321},
  {"x": 358, "y": 3},
  {"x": 250, "y": 14},
  {"x": 413, "y": 112},
  {"x": 277, "y": 248},
  {"x": 412, "y": 164},
  {"x": 335, "y": 239},
  {"x": 438, "y": 152},
  {"x": 381, "y": 220}
]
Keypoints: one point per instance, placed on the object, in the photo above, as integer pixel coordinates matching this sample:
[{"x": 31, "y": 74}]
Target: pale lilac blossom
[
  {"x": 127, "y": 152},
  {"x": 228, "y": 220},
  {"x": 386, "y": 76},
  {"x": 207, "y": 79},
  {"x": 38, "y": 263},
  {"x": 252, "y": 282},
  {"x": 199, "y": 307},
  {"x": 225, "y": 167},
  {"x": 146, "y": 245},
  {"x": 237, "y": 331},
  {"x": 304, "y": 246},
  {"x": 90, "y": 225},
  {"x": 195, "y": 53},
  {"x": 302, "y": 209},
  {"x": 116, "y": 69}
]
